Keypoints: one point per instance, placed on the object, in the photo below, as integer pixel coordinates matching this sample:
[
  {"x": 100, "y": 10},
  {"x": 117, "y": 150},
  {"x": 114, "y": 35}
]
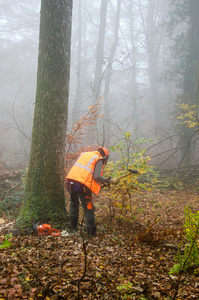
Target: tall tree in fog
[
  {"x": 78, "y": 91},
  {"x": 192, "y": 61},
  {"x": 110, "y": 66},
  {"x": 100, "y": 51},
  {"x": 131, "y": 45},
  {"x": 44, "y": 194},
  {"x": 153, "y": 32},
  {"x": 190, "y": 73},
  {"x": 184, "y": 17}
]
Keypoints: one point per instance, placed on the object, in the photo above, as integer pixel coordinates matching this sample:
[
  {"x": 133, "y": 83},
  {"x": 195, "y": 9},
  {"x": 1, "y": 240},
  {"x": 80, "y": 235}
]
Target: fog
[{"x": 123, "y": 53}]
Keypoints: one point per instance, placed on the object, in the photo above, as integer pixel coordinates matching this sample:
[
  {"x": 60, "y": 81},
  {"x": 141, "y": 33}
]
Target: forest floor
[{"x": 127, "y": 260}]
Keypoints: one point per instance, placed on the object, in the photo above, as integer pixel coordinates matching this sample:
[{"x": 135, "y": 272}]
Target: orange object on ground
[{"x": 46, "y": 229}]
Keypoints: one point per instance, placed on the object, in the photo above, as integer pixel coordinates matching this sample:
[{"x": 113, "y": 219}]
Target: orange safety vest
[{"x": 83, "y": 170}]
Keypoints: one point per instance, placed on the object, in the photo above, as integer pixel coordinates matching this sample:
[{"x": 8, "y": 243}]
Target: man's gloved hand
[{"x": 113, "y": 180}]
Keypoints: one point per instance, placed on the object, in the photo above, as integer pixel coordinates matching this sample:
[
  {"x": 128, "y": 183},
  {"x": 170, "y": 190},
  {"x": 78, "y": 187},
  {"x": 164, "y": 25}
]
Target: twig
[
  {"x": 139, "y": 223},
  {"x": 131, "y": 208},
  {"x": 10, "y": 189},
  {"x": 74, "y": 281},
  {"x": 85, "y": 257},
  {"x": 46, "y": 289},
  {"x": 61, "y": 266},
  {"x": 188, "y": 145},
  {"x": 18, "y": 127}
]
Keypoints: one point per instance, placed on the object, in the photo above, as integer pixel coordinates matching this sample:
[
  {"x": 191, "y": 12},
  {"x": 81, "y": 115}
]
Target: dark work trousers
[{"x": 86, "y": 200}]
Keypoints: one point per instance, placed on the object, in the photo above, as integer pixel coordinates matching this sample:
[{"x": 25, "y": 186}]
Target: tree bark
[{"x": 44, "y": 195}]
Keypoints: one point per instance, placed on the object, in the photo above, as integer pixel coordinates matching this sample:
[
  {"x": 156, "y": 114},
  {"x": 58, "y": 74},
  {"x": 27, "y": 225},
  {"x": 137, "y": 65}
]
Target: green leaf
[{"x": 6, "y": 244}]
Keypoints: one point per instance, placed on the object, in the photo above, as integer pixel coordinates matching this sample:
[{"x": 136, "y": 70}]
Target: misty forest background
[
  {"x": 134, "y": 71},
  {"x": 139, "y": 58}
]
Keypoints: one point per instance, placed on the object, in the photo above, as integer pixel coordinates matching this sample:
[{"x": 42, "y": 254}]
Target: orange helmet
[{"x": 106, "y": 153}]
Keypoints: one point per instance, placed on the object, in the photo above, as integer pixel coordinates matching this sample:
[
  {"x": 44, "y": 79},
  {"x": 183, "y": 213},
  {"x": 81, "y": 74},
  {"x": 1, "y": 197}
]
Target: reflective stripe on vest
[{"x": 88, "y": 164}]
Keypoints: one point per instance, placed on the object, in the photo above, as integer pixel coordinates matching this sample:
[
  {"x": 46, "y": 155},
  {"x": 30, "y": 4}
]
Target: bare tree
[
  {"x": 100, "y": 51},
  {"x": 110, "y": 66},
  {"x": 79, "y": 62}
]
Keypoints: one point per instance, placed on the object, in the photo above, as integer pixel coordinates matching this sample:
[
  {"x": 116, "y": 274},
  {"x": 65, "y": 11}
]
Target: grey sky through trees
[{"x": 146, "y": 77}]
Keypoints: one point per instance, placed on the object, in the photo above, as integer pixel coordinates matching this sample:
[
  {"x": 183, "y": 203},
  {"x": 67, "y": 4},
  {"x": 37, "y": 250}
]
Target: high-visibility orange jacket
[{"x": 83, "y": 170}]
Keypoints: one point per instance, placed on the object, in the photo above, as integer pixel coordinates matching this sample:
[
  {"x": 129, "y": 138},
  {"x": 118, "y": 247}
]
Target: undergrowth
[
  {"x": 190, "y": 256},
  {"x": 11, "y": 204}
]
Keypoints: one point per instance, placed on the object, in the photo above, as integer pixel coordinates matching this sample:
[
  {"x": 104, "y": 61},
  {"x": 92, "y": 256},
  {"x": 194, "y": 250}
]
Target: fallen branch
[
  {"x": 174, "y": 247},
  {"x": 74, "y": 281},
  {"x": 170, "y": 246},
  {"x": 139, "y": 223}
]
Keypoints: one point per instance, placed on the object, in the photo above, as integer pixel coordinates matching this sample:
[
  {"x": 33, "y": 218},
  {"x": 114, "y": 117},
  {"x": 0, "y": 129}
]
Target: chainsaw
[{"x": 45, "y": 229}]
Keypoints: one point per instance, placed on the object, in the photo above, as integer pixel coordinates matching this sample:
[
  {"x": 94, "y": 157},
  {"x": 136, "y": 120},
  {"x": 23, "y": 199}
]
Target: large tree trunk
[{"x": 44, "y": 195}]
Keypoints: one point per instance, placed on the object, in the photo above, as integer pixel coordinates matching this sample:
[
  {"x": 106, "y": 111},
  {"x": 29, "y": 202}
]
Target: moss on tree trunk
[{"x": 44, "y": 196}]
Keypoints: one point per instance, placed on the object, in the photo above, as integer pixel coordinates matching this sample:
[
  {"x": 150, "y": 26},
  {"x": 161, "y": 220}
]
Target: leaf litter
[{"x": 129, "y": 259}]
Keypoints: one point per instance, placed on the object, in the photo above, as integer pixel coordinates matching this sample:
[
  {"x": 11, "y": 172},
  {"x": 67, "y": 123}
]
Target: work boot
[
  {"x": 91, "y": 231},
  {"x": 74, "y": 223}
]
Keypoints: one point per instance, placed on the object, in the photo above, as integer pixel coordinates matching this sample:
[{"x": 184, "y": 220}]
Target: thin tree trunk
[
  {"x": 100, "y": 52},
  {"x": 79, "y": 69},
  {"x": 109, "y": 68}
]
